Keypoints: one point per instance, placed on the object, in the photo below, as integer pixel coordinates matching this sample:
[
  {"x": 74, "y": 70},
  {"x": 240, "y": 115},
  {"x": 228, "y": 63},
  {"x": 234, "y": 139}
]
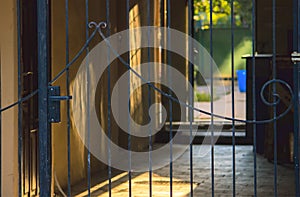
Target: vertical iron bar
[
  {"x": 274, "y": 92},
  {"x": 108, "y": 100},
  {"x": 296, "y": 47},
  {"x": 298, "y": 91},
  {"x": 44, "y": 126},
  {"x": 232, "y": 96},
  {"x": 191, "y": 92},
  {"x": 1, "y": 118},
  {"x": 254, "y": 94},
  {"x": 211, "y": 96},
  {"x": 170, "y": 93},
  {"x": 296, "y": 127},
  {"x": 88, "y": 99},
  {"x": 171, "y": 149},
  {"x": 20, "y": 119},
  {"x": 149, "y": 100},
  {"x": 129, "y": 115},
  {"x": 68, "y": 102}
]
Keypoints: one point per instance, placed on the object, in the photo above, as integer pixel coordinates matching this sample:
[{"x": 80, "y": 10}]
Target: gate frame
[
  {"x": 296, "y": 48},
  {"x": 45, "y": 168}
]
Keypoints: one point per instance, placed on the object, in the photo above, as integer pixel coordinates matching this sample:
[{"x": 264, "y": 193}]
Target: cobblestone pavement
[{"x": 202, "y": 176}]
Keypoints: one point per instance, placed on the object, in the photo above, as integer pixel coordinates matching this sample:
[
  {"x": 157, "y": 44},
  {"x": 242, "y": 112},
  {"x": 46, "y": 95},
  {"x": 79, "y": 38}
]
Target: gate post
[
  {"x": 296, "y": 49},
  {"x": 44, "y": 126}
]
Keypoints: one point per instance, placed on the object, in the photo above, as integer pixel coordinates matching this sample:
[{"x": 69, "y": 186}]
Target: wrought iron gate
[{"x": 66, "y": 93}]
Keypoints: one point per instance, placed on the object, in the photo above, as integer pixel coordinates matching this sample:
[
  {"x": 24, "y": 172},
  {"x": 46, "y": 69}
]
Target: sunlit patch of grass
[{"x": 204, "y": 97}]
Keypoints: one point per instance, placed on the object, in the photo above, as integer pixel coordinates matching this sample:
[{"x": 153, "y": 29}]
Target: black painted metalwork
[
  {"x": 211, "y": 52},
  {"x": 88, "y": 99},
  {"x": 149, "y": 99},
  {"x": 1, "y": 127},
  {"x": 232, "y": 21},
  {"x": 275, "y": 96},
  {"x": 46, "y": 98},
  {"x": 20, "y": 118},
  {"x": 90, "y": 38},
  {"x": 191, "y": 92},
  {"x": 54, "y": 104},
  {"x": 170, "y": 103},
  {"x": 21, "y": 100},
  {"x": 68, "y": 102},
  {"x": 169, "y": 96},
  {"x": 129, "y": 110},
  {"x": 296, "y": 47},
  {"x": 44, "y": 126},
  {"x": 254, "y": 96},
  {"x": 109, "y": 102}
]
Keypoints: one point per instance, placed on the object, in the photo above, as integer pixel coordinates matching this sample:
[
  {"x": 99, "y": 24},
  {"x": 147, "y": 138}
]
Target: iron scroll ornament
[
  {"x": 102, "y": 25},
  {"x": 86, "y": 119}
]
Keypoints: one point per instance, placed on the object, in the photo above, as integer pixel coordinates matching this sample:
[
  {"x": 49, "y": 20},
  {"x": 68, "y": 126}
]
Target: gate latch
[
  {"x": 295, "y": 57},
  {"x": 54, "y": 103}
]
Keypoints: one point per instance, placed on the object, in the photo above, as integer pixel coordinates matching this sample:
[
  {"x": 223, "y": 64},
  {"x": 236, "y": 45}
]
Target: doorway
[{"x": 29, "y": 83}]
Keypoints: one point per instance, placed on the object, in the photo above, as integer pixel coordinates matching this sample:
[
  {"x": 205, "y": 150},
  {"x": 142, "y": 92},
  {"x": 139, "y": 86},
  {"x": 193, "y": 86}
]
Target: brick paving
[
  {"x": 244, "y": 173},
  {"x": 202, "y": 176}
]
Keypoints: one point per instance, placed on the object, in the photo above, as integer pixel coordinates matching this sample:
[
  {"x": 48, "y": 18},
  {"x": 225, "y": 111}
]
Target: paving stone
[{"x": 244, "y": 176}]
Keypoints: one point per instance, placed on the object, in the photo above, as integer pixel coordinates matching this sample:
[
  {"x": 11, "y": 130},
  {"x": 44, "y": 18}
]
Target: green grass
[{"x": 204, "y": 97}]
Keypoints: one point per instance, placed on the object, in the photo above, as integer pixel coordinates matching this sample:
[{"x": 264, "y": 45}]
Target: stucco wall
[
  {"x": 140, "y": 102},
  {"x": 77, "y": 38},
  {"x": 178, "y": 12},
  {"x": 9, "y": 82},
  {"x": 97, "y": 13}
]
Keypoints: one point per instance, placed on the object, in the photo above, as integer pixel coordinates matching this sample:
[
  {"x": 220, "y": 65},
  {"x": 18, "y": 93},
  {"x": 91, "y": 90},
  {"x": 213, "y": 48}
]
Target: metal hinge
[
  {"x": 54, "y": 103},
  {"x": 295, "y": 57}
]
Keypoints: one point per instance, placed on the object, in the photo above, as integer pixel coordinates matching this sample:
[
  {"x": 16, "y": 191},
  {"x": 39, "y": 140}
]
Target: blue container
[{"x": 241, "y": 76}]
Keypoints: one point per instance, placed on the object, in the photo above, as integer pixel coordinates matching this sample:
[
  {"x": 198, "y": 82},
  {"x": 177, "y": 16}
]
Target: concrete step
[
  {"x": 225, "y": 125},
  {"x": 200, "y": 130}
]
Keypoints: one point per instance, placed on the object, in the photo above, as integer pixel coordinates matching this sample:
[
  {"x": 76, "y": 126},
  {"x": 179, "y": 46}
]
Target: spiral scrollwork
[
  {"x": 276, "y": 97},
  {"x": 99, "y": 59}
]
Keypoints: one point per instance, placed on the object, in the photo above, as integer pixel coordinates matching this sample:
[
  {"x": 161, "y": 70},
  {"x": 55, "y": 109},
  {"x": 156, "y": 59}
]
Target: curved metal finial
[
  {"x": 98, "y": 27},
  {"x": 93, "y": 24}
]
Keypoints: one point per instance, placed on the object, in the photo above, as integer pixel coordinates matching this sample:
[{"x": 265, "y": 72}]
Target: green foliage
[
  {"x": 222, "y": 49},
  {"x": 221, "y": 13}
]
